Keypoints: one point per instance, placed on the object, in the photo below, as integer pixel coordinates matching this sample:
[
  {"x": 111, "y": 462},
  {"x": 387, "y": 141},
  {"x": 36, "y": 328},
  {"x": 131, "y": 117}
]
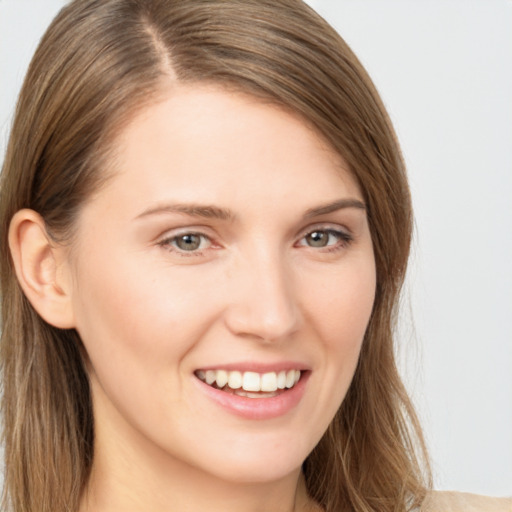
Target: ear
[{"x": 42, "y": 269}]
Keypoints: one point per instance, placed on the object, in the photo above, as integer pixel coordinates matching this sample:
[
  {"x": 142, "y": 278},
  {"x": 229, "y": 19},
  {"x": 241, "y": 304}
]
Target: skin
[{"x": 150, "y": 314}]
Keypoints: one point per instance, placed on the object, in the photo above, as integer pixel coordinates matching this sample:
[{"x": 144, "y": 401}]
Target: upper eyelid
[
  {"x": 172, "y": 233},
  {"x": 343, "y": 235},
  {"x": 324, "y": 226},
  {"x": 170, "y": 238}
]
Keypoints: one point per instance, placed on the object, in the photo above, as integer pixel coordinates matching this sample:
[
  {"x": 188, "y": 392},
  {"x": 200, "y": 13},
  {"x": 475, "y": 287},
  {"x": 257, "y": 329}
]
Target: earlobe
[{"x": 38, "y": 264}]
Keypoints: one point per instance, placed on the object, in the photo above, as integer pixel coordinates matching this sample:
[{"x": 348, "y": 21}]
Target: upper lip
[{"x": 258, "y": 367}]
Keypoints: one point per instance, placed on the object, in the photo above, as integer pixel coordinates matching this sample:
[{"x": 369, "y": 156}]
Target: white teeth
[
  {"x": 210, "y": 377},
  {"x": 235, "y": 380},
  {"x": 222, "y": 378},
  {"x": 290, "y": 378},
  {"x": 281, "y": 380},
  {"x": 252, "y": 382},
  {"x": 269, "y": 381}
]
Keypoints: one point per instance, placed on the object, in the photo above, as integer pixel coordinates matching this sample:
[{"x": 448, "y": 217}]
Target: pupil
[
  {"x": 318, "y": 239},
  {"x": 189, "y": 242}
]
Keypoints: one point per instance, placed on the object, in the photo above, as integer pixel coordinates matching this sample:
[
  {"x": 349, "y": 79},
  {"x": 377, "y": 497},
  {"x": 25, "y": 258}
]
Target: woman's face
[{"x": 230, "y": 244}]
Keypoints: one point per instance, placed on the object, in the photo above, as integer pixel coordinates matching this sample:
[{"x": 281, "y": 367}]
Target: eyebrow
[
  {"x": 216, "y": 212},
  {"x": 334, "y": 206},
  {"x": 192, "y": 209}
]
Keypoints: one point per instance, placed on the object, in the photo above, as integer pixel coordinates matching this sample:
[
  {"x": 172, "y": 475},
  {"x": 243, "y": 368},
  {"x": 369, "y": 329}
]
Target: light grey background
[{"x": 444, "y": 69}]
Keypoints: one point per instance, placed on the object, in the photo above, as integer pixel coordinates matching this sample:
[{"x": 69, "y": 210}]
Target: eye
[
  {"x": 187, "y": 242},
  {"x": 325, "y": 238},
  {"x": 318, "y": 238}
]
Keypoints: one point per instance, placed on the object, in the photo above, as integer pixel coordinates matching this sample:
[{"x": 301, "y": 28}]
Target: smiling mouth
[{"x": 250, "y": 384}]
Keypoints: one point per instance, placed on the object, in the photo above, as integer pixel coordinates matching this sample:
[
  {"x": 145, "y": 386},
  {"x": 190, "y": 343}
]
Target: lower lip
[{"x": 257, "y": 408}]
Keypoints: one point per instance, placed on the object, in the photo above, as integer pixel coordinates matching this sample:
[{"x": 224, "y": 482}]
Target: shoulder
[{"x": 445, "y": 501}]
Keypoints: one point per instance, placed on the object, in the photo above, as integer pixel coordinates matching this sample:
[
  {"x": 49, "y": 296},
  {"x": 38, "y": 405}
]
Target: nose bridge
[{"x": 264, "y": 303}]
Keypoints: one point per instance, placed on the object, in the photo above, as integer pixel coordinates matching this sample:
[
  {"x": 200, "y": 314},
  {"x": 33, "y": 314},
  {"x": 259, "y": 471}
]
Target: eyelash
[
  {"x": 344, "y": 239},
  {"x": 169, "y": 244}
]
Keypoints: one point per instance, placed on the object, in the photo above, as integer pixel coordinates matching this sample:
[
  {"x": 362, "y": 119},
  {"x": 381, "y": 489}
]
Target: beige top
[{"x": 446, "y": 501}]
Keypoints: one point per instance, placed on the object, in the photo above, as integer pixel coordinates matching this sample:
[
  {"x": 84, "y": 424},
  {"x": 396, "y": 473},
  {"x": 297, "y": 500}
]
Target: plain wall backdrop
[{"x": 444, "y": 70}]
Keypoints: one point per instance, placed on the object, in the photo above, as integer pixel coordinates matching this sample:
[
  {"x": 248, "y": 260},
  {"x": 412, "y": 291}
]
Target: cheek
[
  {"x": 342, "y": 309},
  {"x": 343, "y": 305},
  {"x": 137, "y": 331},
  {"x": 134, "y": 322}
]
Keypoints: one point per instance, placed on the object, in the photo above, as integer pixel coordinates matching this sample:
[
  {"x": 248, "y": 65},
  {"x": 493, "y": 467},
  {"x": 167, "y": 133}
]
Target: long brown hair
[{"x": 100, "y": 61}]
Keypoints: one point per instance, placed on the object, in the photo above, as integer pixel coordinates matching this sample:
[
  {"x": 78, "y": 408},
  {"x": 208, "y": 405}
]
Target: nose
[{"x": 264, "y": 303}]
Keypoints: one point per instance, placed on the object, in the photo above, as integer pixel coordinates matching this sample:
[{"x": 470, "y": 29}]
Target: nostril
[
  {"x": 262, "y": 321},
  {"x": 263, "y": 302}
]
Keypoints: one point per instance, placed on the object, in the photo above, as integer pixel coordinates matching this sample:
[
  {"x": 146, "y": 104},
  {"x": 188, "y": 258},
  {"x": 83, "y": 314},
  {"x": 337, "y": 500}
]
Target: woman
[{"x": 205, "y": 224}]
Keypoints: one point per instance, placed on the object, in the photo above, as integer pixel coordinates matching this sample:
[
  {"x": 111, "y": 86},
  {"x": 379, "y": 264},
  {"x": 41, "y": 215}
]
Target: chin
[
  {"x": 260, "y": 472},
  {"x": 258, "y": 462}
]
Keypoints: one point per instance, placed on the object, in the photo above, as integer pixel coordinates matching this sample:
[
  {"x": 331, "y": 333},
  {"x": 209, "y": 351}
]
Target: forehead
[{"x": 213, "y": 144}]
